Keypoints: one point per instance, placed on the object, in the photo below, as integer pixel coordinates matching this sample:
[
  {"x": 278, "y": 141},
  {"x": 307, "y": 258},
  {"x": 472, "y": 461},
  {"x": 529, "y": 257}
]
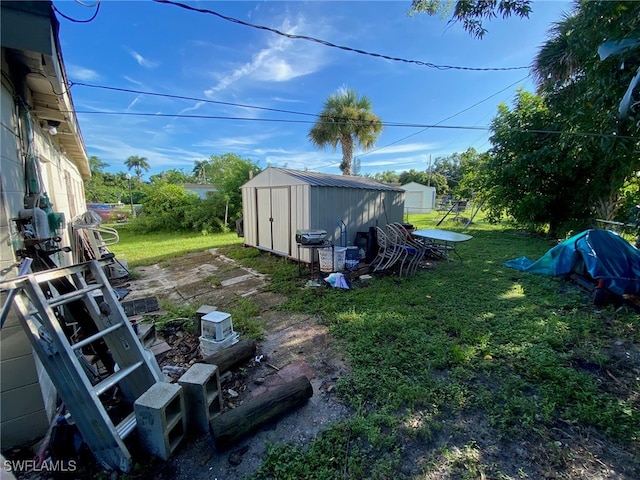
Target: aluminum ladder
[{"x": 35, "y": 295}]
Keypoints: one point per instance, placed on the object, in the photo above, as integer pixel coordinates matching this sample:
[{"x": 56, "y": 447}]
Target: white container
[
  {"x": 332, "y": 259},
  {"x": 209, "y": 347},
  {"x": 216, "y": 326},
  {"x": 339, "y": 258}
]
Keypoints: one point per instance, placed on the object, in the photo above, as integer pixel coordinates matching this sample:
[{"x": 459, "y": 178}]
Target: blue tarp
[{"x": 600, "y": 254}]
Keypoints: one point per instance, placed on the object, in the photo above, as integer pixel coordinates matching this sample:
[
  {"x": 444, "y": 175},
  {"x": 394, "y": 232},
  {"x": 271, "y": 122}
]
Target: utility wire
[
  {"x": 443, "y": 120},
  {"x": 389, "y": 124},
  {"x": 333, "y": 45},
  {"x": 195, "y": 99},
  {"x": 74, "y": 20}
]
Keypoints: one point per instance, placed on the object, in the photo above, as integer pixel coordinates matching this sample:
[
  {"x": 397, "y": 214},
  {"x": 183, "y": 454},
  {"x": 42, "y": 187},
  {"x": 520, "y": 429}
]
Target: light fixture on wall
[{"x": 53, "y": 127}]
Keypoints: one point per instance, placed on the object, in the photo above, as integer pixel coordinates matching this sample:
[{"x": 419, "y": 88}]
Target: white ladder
[{"x": 137, "y": 369}]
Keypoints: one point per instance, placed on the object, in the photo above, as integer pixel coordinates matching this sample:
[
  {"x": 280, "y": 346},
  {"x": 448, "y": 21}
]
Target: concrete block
[
  {"x": 201, "y": 386},
  {"x": 161, "y": 419}
]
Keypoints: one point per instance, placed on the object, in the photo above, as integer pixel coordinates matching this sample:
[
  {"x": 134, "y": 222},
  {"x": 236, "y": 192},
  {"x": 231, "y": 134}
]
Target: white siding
[
  {"x": 27, "y": 394},
  {"x": 419, "y": 198}
]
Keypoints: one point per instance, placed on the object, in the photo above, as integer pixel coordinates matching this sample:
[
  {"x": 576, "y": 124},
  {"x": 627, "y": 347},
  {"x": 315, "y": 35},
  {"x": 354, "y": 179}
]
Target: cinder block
[
  {"x": 146, "y": 334},
  {"x": 201, "y": 386},
  {"x": 161, "y": 419}
]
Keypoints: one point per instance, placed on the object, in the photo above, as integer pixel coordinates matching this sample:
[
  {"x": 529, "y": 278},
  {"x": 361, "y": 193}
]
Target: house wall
[{"x": 27, "y": 395}]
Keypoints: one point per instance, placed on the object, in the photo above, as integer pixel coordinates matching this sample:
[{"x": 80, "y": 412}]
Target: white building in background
[
  {"x": 42, "y": 160},
  {"x": 418, "y": 198}
]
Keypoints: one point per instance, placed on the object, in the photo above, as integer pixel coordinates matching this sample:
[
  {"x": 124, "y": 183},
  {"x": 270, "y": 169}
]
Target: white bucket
[
  {"x": 339, "y": 258},
  {"x": 329, "y": 262}
]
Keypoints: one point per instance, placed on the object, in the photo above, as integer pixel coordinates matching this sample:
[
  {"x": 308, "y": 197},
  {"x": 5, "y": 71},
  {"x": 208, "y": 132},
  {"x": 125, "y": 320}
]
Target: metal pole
[{"x": 130, "y": 195}]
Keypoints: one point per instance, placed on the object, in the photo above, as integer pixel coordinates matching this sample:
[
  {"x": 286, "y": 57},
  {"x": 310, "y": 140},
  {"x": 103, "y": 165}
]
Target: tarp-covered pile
[{"x": 602, "y": 255}]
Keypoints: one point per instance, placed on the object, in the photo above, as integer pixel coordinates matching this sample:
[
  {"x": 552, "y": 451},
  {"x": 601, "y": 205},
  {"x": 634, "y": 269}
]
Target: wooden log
[
  {"x": 229, "y": 357},
  {"x": 232, "y": 426}
]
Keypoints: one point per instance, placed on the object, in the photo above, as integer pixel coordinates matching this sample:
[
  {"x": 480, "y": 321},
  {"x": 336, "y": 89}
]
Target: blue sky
[{"x": 167, "y": 50}]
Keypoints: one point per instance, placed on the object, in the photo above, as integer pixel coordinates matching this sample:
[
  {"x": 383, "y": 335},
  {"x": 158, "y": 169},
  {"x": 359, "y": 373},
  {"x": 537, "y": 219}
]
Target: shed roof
[
  {"x": 345, "y": 181},
  {"x": 416, "y": 186}
]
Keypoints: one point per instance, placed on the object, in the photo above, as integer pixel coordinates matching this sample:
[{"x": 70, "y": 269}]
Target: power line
[
  {"x": 333, "y": 45},
  {"x": 195, "y": 99},
  {"x": 443, "y": 120},
  {"x": 389, "y": 124},
  {"x": 95, "y": 14}
]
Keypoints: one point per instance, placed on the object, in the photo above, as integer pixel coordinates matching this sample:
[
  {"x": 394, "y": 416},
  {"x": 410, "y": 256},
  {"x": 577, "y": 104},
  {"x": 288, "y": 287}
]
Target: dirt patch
[{"x": 294, "y": 345}]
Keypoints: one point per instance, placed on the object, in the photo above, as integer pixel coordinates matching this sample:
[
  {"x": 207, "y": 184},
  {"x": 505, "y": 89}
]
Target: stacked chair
[{"x": 398, "y": 249}]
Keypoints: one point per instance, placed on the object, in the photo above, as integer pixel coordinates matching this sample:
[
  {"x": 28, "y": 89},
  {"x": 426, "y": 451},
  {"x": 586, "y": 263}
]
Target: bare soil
[{"x": 293, "y": 345}]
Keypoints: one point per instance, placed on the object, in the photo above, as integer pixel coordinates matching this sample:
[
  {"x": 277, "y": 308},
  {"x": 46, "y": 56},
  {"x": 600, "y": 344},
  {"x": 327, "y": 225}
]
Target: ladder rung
[
  {"x": 68, "y": 297},
  {"x": 96, "y": 336},
  {"x": 126, "y": 426},
  {"x": 111, "y": 381}
]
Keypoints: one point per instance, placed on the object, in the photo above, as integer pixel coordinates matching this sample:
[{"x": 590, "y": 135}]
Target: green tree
[
  {"x": 137, "y": 164},
  {"x": 585, "y": 92},
  {"x": 471, "y": 167},
  {"x": 532, "y": 176},
  {"x": 173, "y": 176},
  {"x": 200, "y": 171},
  {"x": 104, "y": 187},
  {"x": 425, "y": 178},
  {"x": 472, "y": 13},
  {"x": 346, "y": 120},
  {"x": 228, "y": 173},
  {"x": 388, "y": 176},
  {"x": 94, "y": 189},
  {"x": 168, "y": 207}
]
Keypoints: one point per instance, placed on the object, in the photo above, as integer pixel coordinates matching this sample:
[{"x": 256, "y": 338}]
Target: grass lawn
[
  {"x": 149, "y": 248},
  {"x": 468, "y": 369}
]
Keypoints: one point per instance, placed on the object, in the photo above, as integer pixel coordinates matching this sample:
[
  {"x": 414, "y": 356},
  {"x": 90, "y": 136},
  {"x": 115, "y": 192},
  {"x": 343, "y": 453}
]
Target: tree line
[{"x": 166, "y": 204}]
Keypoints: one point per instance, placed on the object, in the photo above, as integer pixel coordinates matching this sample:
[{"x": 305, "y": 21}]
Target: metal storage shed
[
  {"x": 419, "y": 198},
  {"x": 277, "y": 202}
]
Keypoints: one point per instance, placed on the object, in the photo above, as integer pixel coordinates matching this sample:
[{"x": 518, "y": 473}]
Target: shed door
[{"x": 273, "y": 219}]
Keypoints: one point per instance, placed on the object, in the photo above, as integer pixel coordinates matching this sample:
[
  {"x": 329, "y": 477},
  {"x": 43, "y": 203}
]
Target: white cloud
[
  {"x": 76, "y": 72},
  {"x": 282, "y": 60},
  {"x": 287, "y": 100},
  {"x": 234, "y": 142},
  {"x": 114, "y": 151},
  {"x": 134, "y": 81},
  {"x": 134, "y": 102},
  {"x": 142, "y": 61},
  {"x": 405, "y": 148}
]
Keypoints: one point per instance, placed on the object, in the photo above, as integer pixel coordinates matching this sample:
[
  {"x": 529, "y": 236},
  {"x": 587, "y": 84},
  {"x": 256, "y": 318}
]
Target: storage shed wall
[
  {"x": 310, "y": 207},
  {"x": 359, "y": 209}
]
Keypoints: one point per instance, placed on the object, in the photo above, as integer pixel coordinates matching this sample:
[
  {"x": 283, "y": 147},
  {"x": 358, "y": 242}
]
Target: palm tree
[
  {"x": 200, "y": 170},
  {"x": 137, "y": 164},
  {"x": 347, "y": 120},
  {"x": 560, "y": 59}
]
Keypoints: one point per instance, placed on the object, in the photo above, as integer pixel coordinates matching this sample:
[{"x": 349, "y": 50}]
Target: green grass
[
  {"x": 149, "y": 248},
  {"x": 470, "y": 338}
]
